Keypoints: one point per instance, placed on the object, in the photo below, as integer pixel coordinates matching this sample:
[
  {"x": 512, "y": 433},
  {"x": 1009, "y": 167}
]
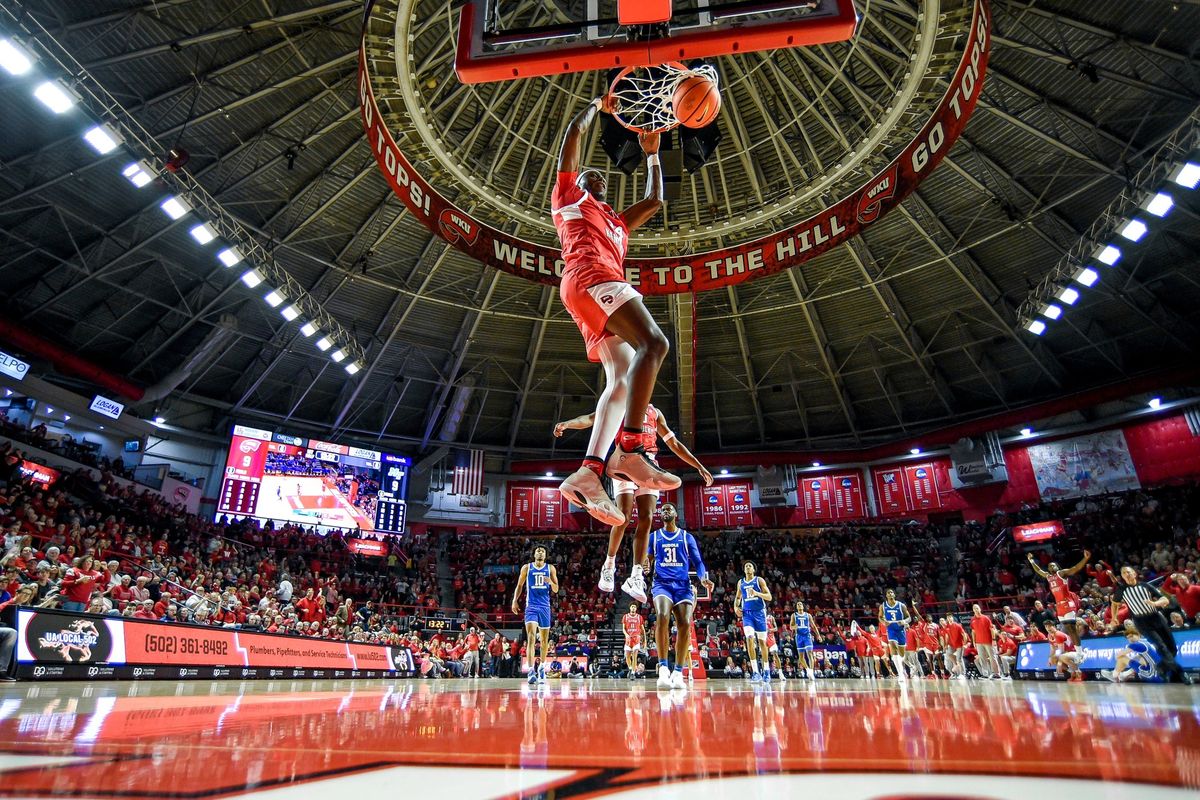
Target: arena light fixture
[
  {"x": 308, "y": 329},
  {"x": 1067, "y": 294},
  {"x": 724, "y": 472},
  {"x": 103, "y": 138},
  {"x": 230, "y": 256},
  {"x": 252, "y": 278},
  {"x": 1050, "y": 310},
  {"x": 338, "y": 355},
  {"x": 353, "y": 368},
  {"x": 15, "y": 59},
  {"x": 55, "y": 96},
  {"x": 203, "y": 233},
  {"x": 1158, "y": 203},
  {"x": 1026, "y": 433},
  {"x": 1155, "y": 403},
  {"x": 324, "y": 344},
  {"x": 916, "y": 451},
  {"x": 275, "y": 298},
  {"x": 49, "y": 410},
  {"x": 1133, "y": 229},
  {"x": 175, "y": 207},
  {"x": 66, "y": 417},
  {"x": 816, "y": 463},
  {"x": 1036, "y": 327},
  {"x": 138, "y": 173},
  {"x": 549, "y": 474},
  {"x": 289, "y": 312},
  {"x": 160, "y": 420},
  {"x": 1187, "y": 174},
  {"x": 1086, "y": 276},
  {"x": 1107, "y": 255}
]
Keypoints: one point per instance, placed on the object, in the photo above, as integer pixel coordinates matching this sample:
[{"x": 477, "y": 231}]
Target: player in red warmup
[
  {"x": 1006, "y": 649},
  {"x": 628, "y": 493},
  {"x": 616, "y": 326},
  {"x": 1064, "y": 655},
  {"x": 635, "y": 633},
  {"x": 955, "y": 637},
  {"x": 1066, "y": 602}
]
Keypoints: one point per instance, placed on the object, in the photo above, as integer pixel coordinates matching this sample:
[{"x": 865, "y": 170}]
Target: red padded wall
[{"x": 1163, "y": 450}]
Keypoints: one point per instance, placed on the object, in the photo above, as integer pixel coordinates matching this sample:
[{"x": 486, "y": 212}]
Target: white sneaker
[
  {"x": 664, "y": 677},
  {"x": 1108, "y": 675},
  {"x": 638, "y": 468},
  {"x": 608, "y": 579},
  {"x": 782, "y": 677},
  {"x": 583, "y": 488},
  {"x": 677, "y": 681},
  {"x": 634, "y": 586}
]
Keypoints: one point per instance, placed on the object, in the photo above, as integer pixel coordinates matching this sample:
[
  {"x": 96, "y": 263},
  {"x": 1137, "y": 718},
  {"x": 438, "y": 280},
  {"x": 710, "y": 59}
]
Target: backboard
[{"x": 504, "y": 40}]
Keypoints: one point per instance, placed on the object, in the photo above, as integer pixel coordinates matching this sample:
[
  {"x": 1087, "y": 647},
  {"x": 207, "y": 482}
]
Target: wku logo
[
  {"x": 456, "y": 225},
  {"x": 870, "y": 204}
]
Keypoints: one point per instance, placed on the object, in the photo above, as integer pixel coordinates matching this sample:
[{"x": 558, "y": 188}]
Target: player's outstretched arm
[
  {"x": 576, "y": 424},
  {"x": 1040, "y": 572},
  {"x": 680, "y": 449},
  {"x": 516, "y": 607},
  {"x": 644, "y": 210},
  {"x": 568, "y": 156},
  {"x": 1087, "y": 556}
]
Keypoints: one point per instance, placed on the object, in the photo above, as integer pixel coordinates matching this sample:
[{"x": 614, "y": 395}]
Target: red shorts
[{"x": 590, "y": 296}]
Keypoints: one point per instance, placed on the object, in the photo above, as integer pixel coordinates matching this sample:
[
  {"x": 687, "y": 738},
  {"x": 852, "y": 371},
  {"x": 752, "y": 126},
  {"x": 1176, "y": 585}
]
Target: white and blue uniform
[
  {"x": 675, "y": 556},
  {"x": 537, "y": 595},
  {"x": 802, "y": 625},
  {"x": 1144, "y": 659},
  {"x": 893, "y": 617},
  {"x": 754, "y": 610}
]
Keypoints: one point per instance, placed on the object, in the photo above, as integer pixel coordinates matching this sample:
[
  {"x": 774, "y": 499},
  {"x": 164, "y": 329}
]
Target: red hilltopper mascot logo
[
  {"x": 456, "y": 225},
  {"x": 870, "y": 205}
]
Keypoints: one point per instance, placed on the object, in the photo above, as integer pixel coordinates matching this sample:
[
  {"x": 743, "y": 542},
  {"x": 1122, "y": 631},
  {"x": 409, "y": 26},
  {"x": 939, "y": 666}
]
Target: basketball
[{"x": 696, "y": 102}]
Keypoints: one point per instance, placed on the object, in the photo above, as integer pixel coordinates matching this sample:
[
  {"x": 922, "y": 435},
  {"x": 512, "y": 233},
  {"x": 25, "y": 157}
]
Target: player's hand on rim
[
  {"x": 649, "y": 143},
  {"x": 609, "y": 103}
]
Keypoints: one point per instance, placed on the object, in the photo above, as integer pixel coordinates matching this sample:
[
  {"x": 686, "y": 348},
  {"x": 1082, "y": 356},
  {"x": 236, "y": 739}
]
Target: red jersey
[
  {"x": 981, "y": 629},
  {"x": 1007, "y": 646},
  {"x": 632, "y": 623},
  {"x": 910, "y": 638},
  {"x": 956, "y": 635},
  {"x": 1065, "y": 601},
  {"x": 927, "y": 636},
  {"x": 594, "y": 237},
  {"x": 1060, "y": 641},
  {"x": 860, "y": 646},
  {"x": 875, "y": 642},
  {"x": 472, "y": 642},
  {"x": 1188, "y": 599},
  {"x": 772, "y": 626}
]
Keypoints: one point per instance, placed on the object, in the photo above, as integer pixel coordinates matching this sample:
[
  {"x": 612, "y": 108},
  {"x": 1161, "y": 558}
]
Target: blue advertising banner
[{"x": 1101, "y": 652}]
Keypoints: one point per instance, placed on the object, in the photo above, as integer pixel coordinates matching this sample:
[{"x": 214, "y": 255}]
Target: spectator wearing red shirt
[
  {"x": 122, "y": 593},
  {"x": 471, "y": 666},
  {"x": 954, "y": 635},
  {"x": 1186, "y": 593},
  {"x": 311, "y": 608},
  {"x": 78, "y": 584}
]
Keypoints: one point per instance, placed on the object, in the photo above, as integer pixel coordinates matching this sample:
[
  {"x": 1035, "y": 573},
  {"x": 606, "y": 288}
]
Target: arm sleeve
[
  {"x": 694, "y": 556},
  {"x": 565, "y": 191}
]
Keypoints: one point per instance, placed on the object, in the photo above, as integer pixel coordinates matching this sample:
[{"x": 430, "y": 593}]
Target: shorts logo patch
[{"x": 607, "y": 299}]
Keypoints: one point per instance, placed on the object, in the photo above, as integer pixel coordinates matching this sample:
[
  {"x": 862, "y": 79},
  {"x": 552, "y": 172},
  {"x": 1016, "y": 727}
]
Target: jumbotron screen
[{"x": 274, "y": 476}]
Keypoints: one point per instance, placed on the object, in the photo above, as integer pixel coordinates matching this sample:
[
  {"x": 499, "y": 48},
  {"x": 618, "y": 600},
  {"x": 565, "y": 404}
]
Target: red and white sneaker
[
  {"x": 639, "y": 468},
  {"x": 583, "y": 488}
]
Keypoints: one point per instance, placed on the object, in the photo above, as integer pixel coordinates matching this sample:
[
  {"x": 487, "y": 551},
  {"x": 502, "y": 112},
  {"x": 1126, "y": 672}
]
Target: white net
[{"x": 644, "y": 95}]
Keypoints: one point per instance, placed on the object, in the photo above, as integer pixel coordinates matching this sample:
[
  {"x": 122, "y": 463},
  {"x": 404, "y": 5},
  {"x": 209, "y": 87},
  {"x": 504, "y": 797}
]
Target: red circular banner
[{"x": 715, "y": 268}]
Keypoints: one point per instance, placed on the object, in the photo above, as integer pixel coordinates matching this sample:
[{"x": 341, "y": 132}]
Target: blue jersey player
[
  {"x": 805, "y": 631},
  {"x": 1137, "y": 662},
  {"x": 675, "y": 554},
  {"x": 751, "y": 601},
  {"x": 893, "y": 619},
  {"x": 538, "y": 579}
]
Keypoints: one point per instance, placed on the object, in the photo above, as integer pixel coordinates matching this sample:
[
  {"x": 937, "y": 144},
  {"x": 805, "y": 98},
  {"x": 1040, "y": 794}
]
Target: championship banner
[
  {"x": 54, "y": 644},
  {"x": 1101, "y": 652},
  {"x": 737, "y": 504},
  {"x": 520, "y": 507},
  {"x": 712, "y": 507},
  {"x": 922, "y": 491},
  {"x": 848, "y": 496},
  {"x": 713, "y": 269},
  {"x": 817, "y": 505},
  {"x": 549, "y": 507},
  {"x": 889, "y": 491}
]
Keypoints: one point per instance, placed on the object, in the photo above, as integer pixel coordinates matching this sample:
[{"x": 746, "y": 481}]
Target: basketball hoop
[{"x": 644, "y": 95}]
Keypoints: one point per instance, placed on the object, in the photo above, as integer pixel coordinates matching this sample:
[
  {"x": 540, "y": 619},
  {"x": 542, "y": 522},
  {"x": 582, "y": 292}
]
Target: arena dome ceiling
[{"x": 909, "y": 327}]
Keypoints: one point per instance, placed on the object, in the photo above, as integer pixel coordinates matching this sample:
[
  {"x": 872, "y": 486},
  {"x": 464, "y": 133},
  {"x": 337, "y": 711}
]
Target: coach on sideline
[{"x": 1145, "y": 603}]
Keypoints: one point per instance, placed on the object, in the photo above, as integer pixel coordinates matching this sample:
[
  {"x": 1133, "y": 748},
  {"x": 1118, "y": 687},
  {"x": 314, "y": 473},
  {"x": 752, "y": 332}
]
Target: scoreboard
[{"x": 391, "y": 508}]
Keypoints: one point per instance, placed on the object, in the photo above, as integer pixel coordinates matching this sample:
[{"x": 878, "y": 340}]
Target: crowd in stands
[{"x": 65, "y": 445}]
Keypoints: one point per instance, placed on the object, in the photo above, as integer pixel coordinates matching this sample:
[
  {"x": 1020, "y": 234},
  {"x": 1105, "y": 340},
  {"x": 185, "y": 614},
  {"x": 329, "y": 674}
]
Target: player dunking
[
  {"x": 635, "y": 633},
  {"x": 628, "y": 493},
  {"x": 538, "y": 579},
  {"x": 893, "y": 619},
  {"x": 750, "y": 602},
  {"x": 1066, "y": 602},
  {"x": 617, "y": 329},
  {"x": 675, "y": 555}
]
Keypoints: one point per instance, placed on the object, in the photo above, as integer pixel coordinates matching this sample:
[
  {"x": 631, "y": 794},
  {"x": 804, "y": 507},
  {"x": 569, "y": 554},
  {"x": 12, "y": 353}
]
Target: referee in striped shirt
[{"x": 1145, "y": 603}]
